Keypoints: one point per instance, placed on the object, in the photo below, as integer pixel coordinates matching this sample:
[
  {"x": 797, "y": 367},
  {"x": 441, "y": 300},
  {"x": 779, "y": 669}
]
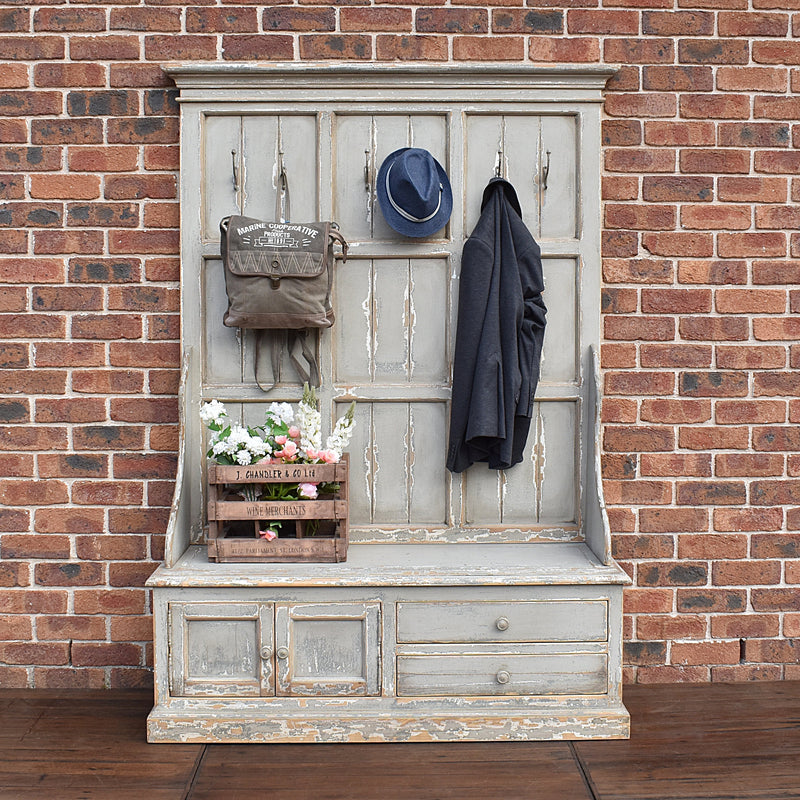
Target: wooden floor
[{"x": 727, "y": 742}]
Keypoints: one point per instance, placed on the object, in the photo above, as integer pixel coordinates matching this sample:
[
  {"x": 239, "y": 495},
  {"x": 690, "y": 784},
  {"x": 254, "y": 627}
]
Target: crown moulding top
[{"x": 320, "y": 77}]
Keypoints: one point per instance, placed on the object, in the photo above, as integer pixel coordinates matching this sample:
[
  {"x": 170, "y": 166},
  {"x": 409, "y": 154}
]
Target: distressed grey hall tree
[{"x": 483, "y": 606}]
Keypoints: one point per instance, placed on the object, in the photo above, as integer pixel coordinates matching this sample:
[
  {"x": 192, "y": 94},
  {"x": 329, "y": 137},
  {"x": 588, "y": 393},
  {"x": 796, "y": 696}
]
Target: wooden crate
[{"x": 233, "y": 522}]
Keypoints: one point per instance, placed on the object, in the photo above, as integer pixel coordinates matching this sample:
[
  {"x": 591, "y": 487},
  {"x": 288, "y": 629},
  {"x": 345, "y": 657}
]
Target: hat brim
[{"x": 400, "y": 223}]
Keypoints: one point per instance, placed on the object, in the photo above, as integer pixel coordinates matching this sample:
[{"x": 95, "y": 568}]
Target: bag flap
[{"x": 277, "y": 249}]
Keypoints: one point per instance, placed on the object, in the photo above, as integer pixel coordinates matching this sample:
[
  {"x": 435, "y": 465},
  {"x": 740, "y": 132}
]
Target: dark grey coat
[{"x": 501, "y": 320}]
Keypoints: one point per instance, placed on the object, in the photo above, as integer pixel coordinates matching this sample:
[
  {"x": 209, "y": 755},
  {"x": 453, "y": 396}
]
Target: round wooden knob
[
  {"x": 283, "y": 652},
  {"x": 502, "y": 624},
  {"x": 503, "y": 676},
  {"x": 266, "y": 653}
]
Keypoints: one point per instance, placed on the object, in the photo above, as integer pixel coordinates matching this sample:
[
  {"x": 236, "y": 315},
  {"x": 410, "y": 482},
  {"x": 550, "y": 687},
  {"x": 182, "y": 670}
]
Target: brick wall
[{"x": 702, "y": 474}]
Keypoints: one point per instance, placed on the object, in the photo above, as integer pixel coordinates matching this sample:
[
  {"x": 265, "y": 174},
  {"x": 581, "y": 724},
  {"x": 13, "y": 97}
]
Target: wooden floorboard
[{"x": 709, "y": 742}]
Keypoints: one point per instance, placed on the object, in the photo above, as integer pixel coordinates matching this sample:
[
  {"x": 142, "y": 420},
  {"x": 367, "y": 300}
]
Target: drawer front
[
  {"x": 436, "y": 675},
  {"x": 530, "y": 621}
]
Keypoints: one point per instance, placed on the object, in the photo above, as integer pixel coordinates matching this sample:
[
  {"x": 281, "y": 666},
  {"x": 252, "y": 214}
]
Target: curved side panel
[{"x": 598, "y": 531}]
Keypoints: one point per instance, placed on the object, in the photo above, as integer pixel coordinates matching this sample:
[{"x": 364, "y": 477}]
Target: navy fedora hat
[{"x": 414, "y": 192}]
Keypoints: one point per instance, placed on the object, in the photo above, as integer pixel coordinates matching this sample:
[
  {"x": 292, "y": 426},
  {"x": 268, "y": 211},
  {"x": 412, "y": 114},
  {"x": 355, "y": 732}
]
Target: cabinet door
[
  {"x": 328, "y": 648},
  {"x": 221, "y": 649}
]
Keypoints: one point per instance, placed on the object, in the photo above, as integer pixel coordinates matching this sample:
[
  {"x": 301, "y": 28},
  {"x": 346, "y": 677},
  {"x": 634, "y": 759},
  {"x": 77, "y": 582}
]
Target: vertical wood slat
[
  {"x": 222, "y": 150},
  {"x": 560, "y": 357},
  {"x": 559, "y": 209}
]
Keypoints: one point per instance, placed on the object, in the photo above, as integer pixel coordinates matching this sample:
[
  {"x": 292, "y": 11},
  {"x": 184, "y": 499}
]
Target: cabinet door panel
[
  {"x": 560, "y": 200},
  {"x": 328, "y": 648},
  {"x": 365, "y": 141},
  {"x": 221, "y": 649},
  {"x": 559, "y": 363},
  {"x": 397, "y": 456},
  {"x": 222, "y": 154}
]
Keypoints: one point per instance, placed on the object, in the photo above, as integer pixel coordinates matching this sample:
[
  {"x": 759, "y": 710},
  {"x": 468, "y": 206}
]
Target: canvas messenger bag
[{"x": 278, "y": 277}]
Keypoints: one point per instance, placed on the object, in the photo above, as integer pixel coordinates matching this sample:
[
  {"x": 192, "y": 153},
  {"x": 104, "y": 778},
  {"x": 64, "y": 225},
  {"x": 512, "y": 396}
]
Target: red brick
[
  {"x": 767, "y": 329},
  {"x": 713, "y": 272},
  {"x": 639, "y": 160},
  {"x": 668, "y": 573},
  {"x": 748, "y": 465},
  {"x": 714, "y": 493},
  {"x": 70, "y": 574},
  {"x": 657, "y": 188},
  {"x": 750, "y": 79},
  {"x": 775, "y": 493},
  {"x": 102, "y": 215},
  {"x": 38, "y": 48},
  {"x": 621, "y": 520},
  {"x": 107, "y": 381},
  {"x": 15, "y": 628},
  {"x": 621, "y": 133},
  {"x": 69, "y": 410},
  {"x": 765, "y": 650},
  {"x": 107, "y": 327},
  {"x": 671, "y": 356},
  {"x": 618, "y": 410},
  {"x": 691, "y": 245},
  {"x": 716, "y": 217},
  {"x": 138, "y": 187},
  {"x": 111, "y": 548},
  {"x": 74, "y": 465},
  {"x": 18, "y": 381},
  {"x": 712, "y": 546},
  {"x": 751, "y": 245},
  {"x": 31, "y": 601},
  {"x": 675, "y": 411},
  {"x": 33, "y": 492},
  {"x": 640, "y": 492},
  {"x": 612, "y": 22},
  {"x": 745, "y": 573},
  {"x": 34, "y": 652},
  {"x": 763, "y": 357},
  {"x": 146, "y": 18},
  {"x": 69, "y": 354},
  {"x": 676, "y": 465},
  {"x": 638, "y": 270},
  {"x": 776, "y": 161},
  {"x": 703, "y": 161},
  {"x": 104, "y": 653},
  {"x": 638, "y": 438},
  {"x": 130, "y": 573},
  {"x": 105, "y": 493},
  {"x": 568, "y": 50},
  {"x": 632, "y": 328},
  {"x": 775, "y": 545},
  {"x": 73, "y": 242},
  {"x": 644, "y": 652},
  {"x": 110, "y": 601},
  {"x": 664, "y": 626},
  {"x": 713, "y": 51},
  {"x": 752, "y": 23},
  {"x": 650, "y": 601},
  {"x": 712, "y": 600},
  {"x": 713, "y": 384},
  {"x": 775, "y": 600},
  {"x": 776, "y": 438},
  {"x": 337, "y": 46},
  {"x": 678, "y": 79},
  {"x": 105, "y": 159},
  {"x": 752, "y": 190},
  {"x": 776, "y": 384},
  {"x": 149, "y": 241},
  {"x": 158, "y": 47},
  {"x": 618, "y": 467},
  {"x": 499, "y": 48},
  {"x": 715, "y": 106},
  {"x": 639, "y": 383},
  {"x": 222, "y": 20},
  {"x": 713, "y": 438},
  {"x": 702, "y": 653},
  {"x": 778, "y": 217},
  {"x": 636, "y": 104},
  {"x": 146, "y": 521},
  {"x": 745, "y": 626},
  {"x": 672, "y": 520},
  {"x": 640, "y": 217},
  {"x": 713, "y": 329},
  {"x": 748, "y": 672},
  {"x": 70, "y": 627},
  {"x": 411, "y": 48},
  {"x": 69, "y": 520},
  {"x": 754, "y": 134}
]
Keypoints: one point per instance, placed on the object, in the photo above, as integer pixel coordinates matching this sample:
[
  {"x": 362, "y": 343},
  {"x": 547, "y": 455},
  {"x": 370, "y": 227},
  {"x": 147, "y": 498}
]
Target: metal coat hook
[
  {"x": 235, "y": 171},
  {"x": 546, "y": 170},
  {"x": 366, "y": 170},
  {"x": 498, "y": 165},
  {"x": 281, "y": 171}
]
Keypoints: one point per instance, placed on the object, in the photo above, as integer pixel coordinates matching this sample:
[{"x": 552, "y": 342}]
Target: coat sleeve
[{"x": 533, "y": 323}]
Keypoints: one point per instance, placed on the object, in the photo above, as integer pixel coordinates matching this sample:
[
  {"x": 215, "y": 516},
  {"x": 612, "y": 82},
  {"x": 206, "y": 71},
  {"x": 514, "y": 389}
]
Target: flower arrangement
[{"x": 286, "y": 437}]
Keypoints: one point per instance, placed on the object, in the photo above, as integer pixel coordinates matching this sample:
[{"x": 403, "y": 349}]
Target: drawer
[
  {"x": 529, "y": 621},
  {"x": 556, "y": 674}
]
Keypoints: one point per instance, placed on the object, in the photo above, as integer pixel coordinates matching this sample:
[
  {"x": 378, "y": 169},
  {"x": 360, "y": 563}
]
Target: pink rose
[
  {"x": 308, "y": 490},
  {"x": 265, "y": 460},
  {"x": 268, "y": 534},
  {"x": 330, "y": 456},
  {"x": 294, "y": 432},
  {"x": 280, "y": 440},
  {"x": 289, "y": 450},
  {"x": 312, "y": 454}
]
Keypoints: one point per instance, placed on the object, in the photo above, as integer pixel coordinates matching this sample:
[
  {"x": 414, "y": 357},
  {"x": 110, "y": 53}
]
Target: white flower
[
  {"x": 257, "y": 446},
  {"x": 244, "y": 457},
  {"x": 213, "y": 412},
  {"x": 342, "y": 432},
  {"x": 282, "y": 412},
  {"x": 308, "y": 490},
  {"x": 220, "y": 447},
  {"x": 238, "y": 435},
  {"x": 309, "y": 420}
]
